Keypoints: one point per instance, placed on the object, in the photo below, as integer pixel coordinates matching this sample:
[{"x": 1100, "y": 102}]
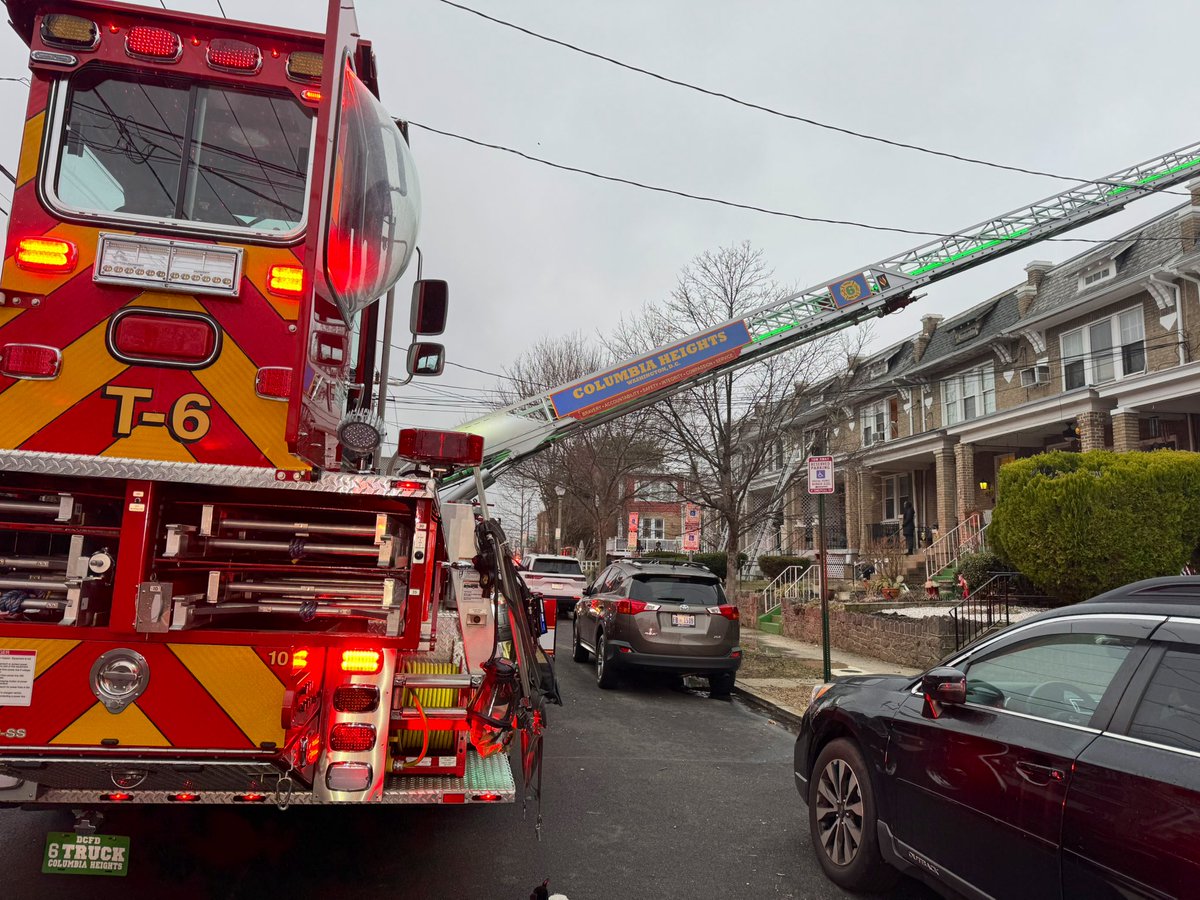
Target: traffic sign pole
[{"x": 821, "y": 482}]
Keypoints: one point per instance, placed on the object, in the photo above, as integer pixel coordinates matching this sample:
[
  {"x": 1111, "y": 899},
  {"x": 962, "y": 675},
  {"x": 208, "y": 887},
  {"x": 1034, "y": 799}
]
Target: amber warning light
[
  {"x": 47, "y": 255},
  {"x": 365, "y": 661},
  {"x": 286, "y": 281}
]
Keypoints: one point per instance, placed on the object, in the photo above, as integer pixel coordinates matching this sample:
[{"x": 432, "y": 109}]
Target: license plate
[
  {"x": 685, "y": 620},
  {"x": 558, "y": 587},
  {"x": 85, "y": 854}
]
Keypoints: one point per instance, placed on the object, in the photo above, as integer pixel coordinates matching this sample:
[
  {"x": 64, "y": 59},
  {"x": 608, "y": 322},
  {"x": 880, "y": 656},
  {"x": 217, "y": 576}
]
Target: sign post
[{"x": 820, "y": 482}]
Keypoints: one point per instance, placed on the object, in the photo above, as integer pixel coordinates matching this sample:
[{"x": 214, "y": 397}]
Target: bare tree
[
  {"x": 591, "y": 465},
  {"x": 724, "y": 431}
]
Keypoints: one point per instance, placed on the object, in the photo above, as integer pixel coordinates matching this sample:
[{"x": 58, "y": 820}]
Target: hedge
[
  {"x": 773, "y": 566},
  {"x": 1079, "y": 524},
  {"x": 715, "y": 562},
  {"x": 976, "y": 568}
]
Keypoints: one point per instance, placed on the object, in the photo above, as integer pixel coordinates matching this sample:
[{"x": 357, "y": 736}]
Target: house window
[
  {"x": 876, "y": 423},
  {"x": 652, "y": 529},
  {"x": 1104, "y": 351},
  {"x": 1097, "y": 274},
  {"x": 969, "y": 395},
  {"x": 655, "y": 492}
]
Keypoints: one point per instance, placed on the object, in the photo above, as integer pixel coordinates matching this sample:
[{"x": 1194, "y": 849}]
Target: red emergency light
[
  {"x": 228, "y": 55},
  {"x": 447, "y": 447},
  {"x": 351, "y": 737},
  {"x": 159, "y": 44},
  {"x": 43, "y": 254},
  {"x": 154, "y": 337},
  {"x": 30, "y": 361},
  {"x": 273, "y": 383}
]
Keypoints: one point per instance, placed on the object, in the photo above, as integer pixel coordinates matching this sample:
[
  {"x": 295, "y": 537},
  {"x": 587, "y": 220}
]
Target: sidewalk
[{"x": 785, "y": 696}]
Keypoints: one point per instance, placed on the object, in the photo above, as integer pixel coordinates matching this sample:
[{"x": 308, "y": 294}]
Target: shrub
[
  {"x": 1078, "y": 524},
  {"x": 773, "y": 566},
  {"x": 715, "y": 562},
  {"x": 977, "y": 568}
]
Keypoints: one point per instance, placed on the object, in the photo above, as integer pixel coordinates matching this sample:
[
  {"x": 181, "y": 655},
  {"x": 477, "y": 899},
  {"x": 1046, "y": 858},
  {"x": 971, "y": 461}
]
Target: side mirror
[
  {"x": 944, "y": 685},
  {"x": 426, "y": 359},
  {"x": 430, "y": 301}
]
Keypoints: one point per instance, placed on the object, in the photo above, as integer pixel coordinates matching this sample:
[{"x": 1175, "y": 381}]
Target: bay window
[
  {"x": 969, "y": 395},
  {"x": 1103, "y": 351}
]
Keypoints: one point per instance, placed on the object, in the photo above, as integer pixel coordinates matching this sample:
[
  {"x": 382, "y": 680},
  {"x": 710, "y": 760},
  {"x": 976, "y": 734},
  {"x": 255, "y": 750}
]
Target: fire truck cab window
[{"x": 124, "y": 141}]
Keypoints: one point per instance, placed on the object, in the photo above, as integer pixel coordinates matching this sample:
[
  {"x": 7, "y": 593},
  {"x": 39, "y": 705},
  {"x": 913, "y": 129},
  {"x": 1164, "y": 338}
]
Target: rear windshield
[
  {"x": 677, "y": 588},
  {"x": 557, "y": 566},
  {"x": 134, "y": 146}
]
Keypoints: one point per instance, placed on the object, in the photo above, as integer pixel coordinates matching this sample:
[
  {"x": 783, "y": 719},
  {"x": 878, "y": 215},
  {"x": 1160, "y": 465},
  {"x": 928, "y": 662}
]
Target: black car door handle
[{"x": 1041, "y": 774}]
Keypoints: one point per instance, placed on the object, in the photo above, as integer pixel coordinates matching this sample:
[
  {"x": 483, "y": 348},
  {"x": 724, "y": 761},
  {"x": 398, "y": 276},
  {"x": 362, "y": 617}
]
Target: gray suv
[{"x": 649, "y": 615}]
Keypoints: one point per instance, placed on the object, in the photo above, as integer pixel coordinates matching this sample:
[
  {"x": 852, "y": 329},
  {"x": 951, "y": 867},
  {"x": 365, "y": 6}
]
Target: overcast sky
[{"x": 1081, "y": 88}]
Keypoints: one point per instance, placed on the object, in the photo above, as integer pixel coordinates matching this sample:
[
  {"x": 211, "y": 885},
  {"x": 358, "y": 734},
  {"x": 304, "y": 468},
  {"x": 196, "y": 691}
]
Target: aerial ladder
[{"x": 532, "y": 424}]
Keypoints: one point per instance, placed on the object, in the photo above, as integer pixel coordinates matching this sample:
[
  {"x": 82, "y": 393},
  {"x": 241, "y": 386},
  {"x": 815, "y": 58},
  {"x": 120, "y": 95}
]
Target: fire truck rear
[{"x": 208, "y": 593}]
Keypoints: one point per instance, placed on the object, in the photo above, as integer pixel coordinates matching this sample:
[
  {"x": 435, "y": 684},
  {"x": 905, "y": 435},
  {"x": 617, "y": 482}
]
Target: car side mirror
[
  {"x": 426, "y": 359},
  {"x": 944, "y": 685}
]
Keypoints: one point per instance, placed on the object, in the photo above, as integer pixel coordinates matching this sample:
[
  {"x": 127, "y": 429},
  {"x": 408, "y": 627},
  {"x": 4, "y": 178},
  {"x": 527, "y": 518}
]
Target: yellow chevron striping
[
  {"x": 150, "y": 442},
  {"x": 48, "y": 652},
  {"x": 31, "y": 148},
  {"x": 241, "y": 684},
  {"x": 130, "y": 726},
  {"x": 28, "y": 406},
  {"x": 8, "y": 314}
]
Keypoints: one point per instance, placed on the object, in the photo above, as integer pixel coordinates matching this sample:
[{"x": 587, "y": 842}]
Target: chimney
[
  {"x": 1027, "y": 293},
  {"x": 929, "y": 325}
]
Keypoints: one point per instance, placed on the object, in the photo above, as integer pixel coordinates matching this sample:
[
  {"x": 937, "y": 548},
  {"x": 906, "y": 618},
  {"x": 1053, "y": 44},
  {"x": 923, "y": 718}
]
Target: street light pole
[{"x": 561, "y": 491}]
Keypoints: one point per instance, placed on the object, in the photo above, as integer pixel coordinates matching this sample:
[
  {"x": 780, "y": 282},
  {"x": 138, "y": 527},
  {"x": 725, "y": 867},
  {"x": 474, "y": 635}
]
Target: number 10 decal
[{"x": 187, "y": 421}]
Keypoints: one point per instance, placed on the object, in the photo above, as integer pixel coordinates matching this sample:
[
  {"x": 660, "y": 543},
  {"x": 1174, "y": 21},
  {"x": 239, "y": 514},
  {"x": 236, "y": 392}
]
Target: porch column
[
  {"x": 870, "y": 505},
  {"x": 1126, "y": 430},
  {"x": 853, "y": 519},
  {"x": 1091, "y": 431},
  {"x": 947, "y": 496},
  {"x": 964, "y": 469}
]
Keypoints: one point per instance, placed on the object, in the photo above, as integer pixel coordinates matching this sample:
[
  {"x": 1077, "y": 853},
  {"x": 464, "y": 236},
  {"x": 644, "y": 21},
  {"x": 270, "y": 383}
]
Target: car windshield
[
  {"x": 125, "y": 139},
  {"x": 677, "y": 588},
  {"x": 557, "y": 566}
]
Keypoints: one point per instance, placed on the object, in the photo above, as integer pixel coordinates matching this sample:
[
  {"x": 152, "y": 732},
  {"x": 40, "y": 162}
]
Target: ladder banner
[
  {"x": 849, "y": 291},
  {"x": 649, "y": 373}
]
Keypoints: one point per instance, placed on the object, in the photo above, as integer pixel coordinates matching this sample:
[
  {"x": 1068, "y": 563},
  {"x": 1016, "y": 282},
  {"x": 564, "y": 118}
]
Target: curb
[{"x": 781, "y": 714}]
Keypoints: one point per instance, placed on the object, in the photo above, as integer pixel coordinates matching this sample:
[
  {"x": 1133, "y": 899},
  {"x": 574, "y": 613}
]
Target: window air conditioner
[{"x": 1035, "y": 375}]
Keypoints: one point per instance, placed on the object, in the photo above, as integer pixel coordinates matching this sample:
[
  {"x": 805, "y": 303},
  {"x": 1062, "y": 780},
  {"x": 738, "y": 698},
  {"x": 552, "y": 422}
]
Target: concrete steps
[{"x": 771, "y": 623}]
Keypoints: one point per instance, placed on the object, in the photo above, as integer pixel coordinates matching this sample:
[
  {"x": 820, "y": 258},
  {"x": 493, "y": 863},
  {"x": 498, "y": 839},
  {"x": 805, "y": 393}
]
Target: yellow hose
[{"x": 441, "y": 741}]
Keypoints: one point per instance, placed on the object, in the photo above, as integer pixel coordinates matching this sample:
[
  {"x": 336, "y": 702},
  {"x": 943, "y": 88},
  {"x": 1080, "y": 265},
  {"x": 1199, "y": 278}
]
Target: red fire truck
[{"x": 208, "y": 593}]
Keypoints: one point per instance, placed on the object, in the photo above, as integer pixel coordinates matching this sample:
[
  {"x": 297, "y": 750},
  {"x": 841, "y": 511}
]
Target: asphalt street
[{"x": 651, "y": 791}]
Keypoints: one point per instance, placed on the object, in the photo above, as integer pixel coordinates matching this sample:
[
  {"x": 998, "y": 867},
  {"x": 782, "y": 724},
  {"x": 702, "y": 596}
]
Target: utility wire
[
  {"x": 222, "y": 9},
  {"x": 704, "y": 198},
  {"x": 768, "y": 109}
]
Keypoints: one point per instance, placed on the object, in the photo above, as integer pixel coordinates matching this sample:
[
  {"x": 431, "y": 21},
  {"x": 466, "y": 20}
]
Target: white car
[{"x": 557, "y": 578}]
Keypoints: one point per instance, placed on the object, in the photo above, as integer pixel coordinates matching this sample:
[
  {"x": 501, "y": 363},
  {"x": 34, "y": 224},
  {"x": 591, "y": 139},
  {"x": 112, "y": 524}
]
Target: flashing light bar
[
  {"x": 158, "y": 44},
  {"x": 52, "y": 255},
  {"x": 71, "y": 32},
  {"x": 450, "y": 447},
  {"x": 228, "y": 55}
]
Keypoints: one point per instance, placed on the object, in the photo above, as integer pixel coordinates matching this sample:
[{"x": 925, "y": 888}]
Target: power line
[
  {"x": 222, "y": 9},
  {"x": 862, "y": 135},
  {"x": 704, "y": 198}
]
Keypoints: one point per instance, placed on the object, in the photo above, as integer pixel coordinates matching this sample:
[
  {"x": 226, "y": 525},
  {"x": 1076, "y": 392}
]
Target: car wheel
[
  {"x": 841, "y": 820},
  {"x": 606, "y": 675},
  {"x": 720, "y": 686},
  {"x": 578, "y": 651}
]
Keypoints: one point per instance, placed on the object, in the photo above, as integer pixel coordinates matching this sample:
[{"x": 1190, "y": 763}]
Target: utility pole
[{"x": 561, "y": 491}]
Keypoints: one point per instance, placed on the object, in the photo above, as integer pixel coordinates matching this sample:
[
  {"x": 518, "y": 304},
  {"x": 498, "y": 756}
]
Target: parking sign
[{"x": 820, "y": 474}]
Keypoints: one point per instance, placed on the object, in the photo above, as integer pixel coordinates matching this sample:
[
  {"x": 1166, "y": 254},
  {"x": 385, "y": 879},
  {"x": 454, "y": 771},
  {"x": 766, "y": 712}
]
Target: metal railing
[
  {"x": 969, "y": 536},
  {"x": 986, "y": 607},
  {"x": 793, "y": 583},
  {"x": 648, "y": 545}
]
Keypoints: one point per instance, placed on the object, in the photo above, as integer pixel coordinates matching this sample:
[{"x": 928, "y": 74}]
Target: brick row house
[
  {"x": 657, "y": 499},
  {"x": 1095, "y": 352}
]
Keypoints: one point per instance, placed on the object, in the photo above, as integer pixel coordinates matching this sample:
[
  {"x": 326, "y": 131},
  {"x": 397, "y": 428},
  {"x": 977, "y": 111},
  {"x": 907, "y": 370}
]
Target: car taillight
[
  {"x": 364, "y": 661},
  {"x": 356, "y": 698},
  {"x": 153, "y": 43},
  {"x": 285, "y": 281},
  {"x": 51, "y": 255},
  {"x": 729, "y": 612},
  {"x": 633, "y": 607},
  {"x": 350, "y": 737},
  {"x": 229, "y": 55},
  {"x": 29, "y": 361}
]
